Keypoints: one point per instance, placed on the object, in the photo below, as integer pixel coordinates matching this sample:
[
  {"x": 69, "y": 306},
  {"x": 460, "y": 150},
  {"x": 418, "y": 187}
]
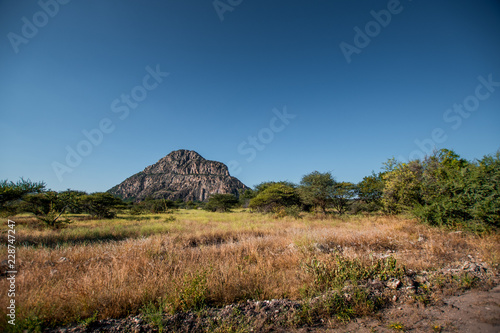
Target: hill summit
[{"x": 182, "y": 174}]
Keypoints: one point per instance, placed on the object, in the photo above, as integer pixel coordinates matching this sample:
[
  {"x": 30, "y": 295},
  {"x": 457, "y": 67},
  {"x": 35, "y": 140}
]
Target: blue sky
[{"x": 274, "y": 89}]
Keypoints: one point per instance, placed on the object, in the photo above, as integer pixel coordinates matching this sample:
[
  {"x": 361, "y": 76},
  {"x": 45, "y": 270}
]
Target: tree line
[
  {"x": 443, "y": 190},
  {"x": 51, "y": 207}
]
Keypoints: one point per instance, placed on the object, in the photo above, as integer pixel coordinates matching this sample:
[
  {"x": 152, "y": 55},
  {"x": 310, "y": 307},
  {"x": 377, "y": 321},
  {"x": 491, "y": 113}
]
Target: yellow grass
[{"x": 116, "y": 267}]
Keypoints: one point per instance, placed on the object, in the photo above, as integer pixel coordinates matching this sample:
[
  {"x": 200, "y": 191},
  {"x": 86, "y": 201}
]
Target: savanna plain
[{"x": 193, "y": 270}]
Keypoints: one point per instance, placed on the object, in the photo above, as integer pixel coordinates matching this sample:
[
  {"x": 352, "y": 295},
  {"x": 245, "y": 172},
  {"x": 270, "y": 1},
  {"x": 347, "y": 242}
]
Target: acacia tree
[
  {"x": 274, "y": 196},
  {"x": 317, "y": 189},
  {"x": 342, "y": 194},
  {"x": 371, "y": 188},
  {"x": 11, "y": 192},
  {"x": 47, "y": 207},
  {"x": 221, "y": 202},
  {"x": 264, "y": 185},
  {"x": 71, "y": 200},
  {"x": 100, "y": 204}
]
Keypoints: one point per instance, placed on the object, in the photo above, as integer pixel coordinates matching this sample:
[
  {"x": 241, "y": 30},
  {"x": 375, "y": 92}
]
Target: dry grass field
[{"x": 190, "y": 260}]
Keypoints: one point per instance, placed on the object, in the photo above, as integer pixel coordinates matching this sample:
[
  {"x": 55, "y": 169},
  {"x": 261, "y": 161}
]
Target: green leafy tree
[
  {"x": 369, "y": 193},
  {"x": 246, "y": 196},
  {"x": 47, "y": 207},
  {"x": 391, "y": 164},
  {"x": 485, "y": 184},
  {"x": 456, "y": 191},
  {"x": 274, "y": 196},
  {"x": 101, "y": 205},
  {"x": 317, "y": 189},
  {"x": 342, "y": 195},
  {"x": 221, "y": 202},
  {"x": 444, "y": 189},
  {"x": 264, "y": 185},
  {"x": 190, "y": 205},
  {"x": 71, "y": 200},
  {"x": 11, "y": 192},
  {"x": 153, "y": 206},
  {"x": 371, "y": 188},
  {"x": 403, "y": 187}
]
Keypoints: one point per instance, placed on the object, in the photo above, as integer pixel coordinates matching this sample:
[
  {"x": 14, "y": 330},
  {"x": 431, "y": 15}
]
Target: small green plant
[
  {"x": 388, "y": 268},
  {"x": 397, "y": 326},
  {"x": 88, "y": 321},
  {"x": 154, "y": 314},
  {"x": 192, "y": 295},
  {"x": 423, "y": 299},
  {"x": 29, "y": 324},
  {"x": 334, "y": 274},
  {"x": 437, "y": 328},
  {"x": 466, "y": 280},
  {"x": 169, "y": 219},
  {"x": 303, "y": 316},
  {"x": 365, "y": 304},
  {"x": 423, "y": 294},
  {"x": 341, "y": 307}
]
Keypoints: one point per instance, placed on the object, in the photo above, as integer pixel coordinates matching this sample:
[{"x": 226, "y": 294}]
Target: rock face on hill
[{"x": 182, "y": 174}]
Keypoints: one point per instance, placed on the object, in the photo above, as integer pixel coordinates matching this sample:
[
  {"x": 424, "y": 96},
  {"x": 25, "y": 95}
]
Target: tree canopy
[{"x": 275, "y": 195}]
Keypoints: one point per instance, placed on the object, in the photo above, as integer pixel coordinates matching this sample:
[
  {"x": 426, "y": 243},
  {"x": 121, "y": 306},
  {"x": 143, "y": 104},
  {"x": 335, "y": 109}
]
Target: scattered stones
[
  {"x": 420, "y": 279},
  {"x": 410, "y": 290},
  {"x": 260, "y": 315},
  {"x": 393, "y": 284},
  {"x": 321, "y": 247},
  {"x": 475, "y": 267},
  {"x": 377, "y": 285}
]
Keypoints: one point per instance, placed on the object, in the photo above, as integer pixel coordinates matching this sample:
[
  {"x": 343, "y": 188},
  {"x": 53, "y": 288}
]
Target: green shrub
[
  {"x": 221, "y": 202},
  {"x": 192, "y": 294},
  {"x": 333, "y": 274},
  {"x": 274, "y": 196},
  {"x": 445, "y": 190}
]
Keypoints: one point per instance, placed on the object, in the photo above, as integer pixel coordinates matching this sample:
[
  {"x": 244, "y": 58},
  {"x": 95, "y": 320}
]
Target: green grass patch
[{"x": 332, "y": 274}]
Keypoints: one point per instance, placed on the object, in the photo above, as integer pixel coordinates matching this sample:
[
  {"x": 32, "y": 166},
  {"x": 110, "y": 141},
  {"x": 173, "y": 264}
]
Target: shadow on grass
[
  {"x": 58, "y": 241},
  {"x": 71, "y": 235}
]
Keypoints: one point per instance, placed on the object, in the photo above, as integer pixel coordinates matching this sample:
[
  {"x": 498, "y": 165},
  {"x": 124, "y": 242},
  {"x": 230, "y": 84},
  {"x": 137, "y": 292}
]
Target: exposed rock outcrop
[{"x": 182, "y": 174}]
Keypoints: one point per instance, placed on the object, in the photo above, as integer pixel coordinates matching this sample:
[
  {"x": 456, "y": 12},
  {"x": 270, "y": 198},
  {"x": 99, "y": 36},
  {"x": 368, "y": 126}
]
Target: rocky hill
[{"x": 182, "y": 174}]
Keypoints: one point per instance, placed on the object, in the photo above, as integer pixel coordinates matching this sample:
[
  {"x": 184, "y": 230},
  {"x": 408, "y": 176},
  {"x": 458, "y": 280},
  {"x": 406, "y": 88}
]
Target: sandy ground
[{"x": 474, "y": 311}]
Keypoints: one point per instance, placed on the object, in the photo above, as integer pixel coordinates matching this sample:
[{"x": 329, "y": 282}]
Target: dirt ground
[{"x": 474, "y": 311}]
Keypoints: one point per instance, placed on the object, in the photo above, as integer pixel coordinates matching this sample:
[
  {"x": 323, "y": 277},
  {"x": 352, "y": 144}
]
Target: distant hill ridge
[{"x": 182, "y": 174}]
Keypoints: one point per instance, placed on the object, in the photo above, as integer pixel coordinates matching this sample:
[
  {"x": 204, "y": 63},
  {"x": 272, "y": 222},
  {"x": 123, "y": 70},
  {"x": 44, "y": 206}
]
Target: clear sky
[{"x": 94, "y": 91}]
